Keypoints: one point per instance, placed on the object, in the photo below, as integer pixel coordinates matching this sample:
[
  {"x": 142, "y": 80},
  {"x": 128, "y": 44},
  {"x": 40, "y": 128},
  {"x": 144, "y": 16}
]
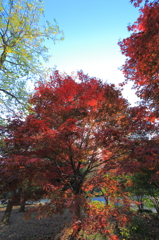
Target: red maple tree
[
  {"x": 75, "y": 135},
  {"x": 141, "y": 49},
  {"x": 141, "y": 67},
  {"x": 78, "y": 138}
]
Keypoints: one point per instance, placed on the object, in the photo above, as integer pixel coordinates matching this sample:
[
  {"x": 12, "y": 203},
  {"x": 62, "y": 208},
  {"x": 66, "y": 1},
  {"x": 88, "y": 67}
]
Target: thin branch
[{"x": 10, "y": 94}]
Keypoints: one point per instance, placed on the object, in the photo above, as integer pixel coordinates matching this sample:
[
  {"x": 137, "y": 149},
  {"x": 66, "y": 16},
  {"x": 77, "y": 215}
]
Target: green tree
[
  {"x": 22, "y": 46},
  {"x": 145, "y": 189}
]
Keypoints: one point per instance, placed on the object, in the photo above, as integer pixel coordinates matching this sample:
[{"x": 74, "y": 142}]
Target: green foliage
[
  {"x": 144, "y": 189},
  {"x": 98, "y": 204},
  {"x": 22, "y": 48},
  {"x": 141, "y": 227},
  {"x": 148, "y": 202},
  {"x": 97, "y": 236},
  {"x": 135, "y": 229}
]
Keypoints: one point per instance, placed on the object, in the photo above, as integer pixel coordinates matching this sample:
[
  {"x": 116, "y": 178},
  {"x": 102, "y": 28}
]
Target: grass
[{"x": 3, "y": 205}]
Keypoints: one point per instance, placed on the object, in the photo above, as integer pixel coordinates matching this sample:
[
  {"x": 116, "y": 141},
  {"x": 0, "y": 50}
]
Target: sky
[{"x": 92, "y": 29}]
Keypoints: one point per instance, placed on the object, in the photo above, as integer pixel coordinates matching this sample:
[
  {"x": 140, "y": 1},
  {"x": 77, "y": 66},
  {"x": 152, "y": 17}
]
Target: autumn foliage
[
  {"x": 73, "y": 142},
  {"x": 141, "y": 67},
  {"x": 82, "y": 139},
  {"x": 141, "y": 49}
]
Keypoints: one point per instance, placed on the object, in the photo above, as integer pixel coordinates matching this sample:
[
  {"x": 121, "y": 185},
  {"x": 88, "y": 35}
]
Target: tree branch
[{"x": 10, "y": 94}]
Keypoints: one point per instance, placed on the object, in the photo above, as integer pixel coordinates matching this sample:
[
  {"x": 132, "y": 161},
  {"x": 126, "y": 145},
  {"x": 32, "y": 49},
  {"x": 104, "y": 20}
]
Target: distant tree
[
  {"x": 145, "y": 189},
  {"x": 137, "y": 189},
  {"x": 19, "y": 183},
  {"x": 145, "y": 176},
  {"x": 22, "y": 47}
]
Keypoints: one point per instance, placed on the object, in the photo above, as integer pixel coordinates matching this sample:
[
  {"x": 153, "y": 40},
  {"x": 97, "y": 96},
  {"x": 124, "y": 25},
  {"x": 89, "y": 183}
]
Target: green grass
[{"x": 3, "y": 205}]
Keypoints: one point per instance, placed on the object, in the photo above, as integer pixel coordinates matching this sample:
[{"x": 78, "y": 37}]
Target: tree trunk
[
  {"x": 106, "y": 200},
  {"x": 117, "y": 229},
  {"x": 77, "y": 187},
  {"x": 140, "y": 207},
  {"x": 14, "y": 199},
  {"x": 22, "y": 206},
  {"x": 78, "y": 217},
  {"x": 141, "y": 204},
  {"x": 7, "y": 212}
]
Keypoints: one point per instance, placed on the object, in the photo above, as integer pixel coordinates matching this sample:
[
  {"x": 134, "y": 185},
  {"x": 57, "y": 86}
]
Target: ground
[
  {"x": 144, "y": 226},
  {"x": 32, "y": 229}
]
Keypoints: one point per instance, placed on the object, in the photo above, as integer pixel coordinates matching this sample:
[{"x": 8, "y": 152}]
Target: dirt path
[{"x": 32, "y": 229}]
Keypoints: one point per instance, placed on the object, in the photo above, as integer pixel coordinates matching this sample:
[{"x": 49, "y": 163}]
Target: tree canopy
[{"x": 76, "y": 134}]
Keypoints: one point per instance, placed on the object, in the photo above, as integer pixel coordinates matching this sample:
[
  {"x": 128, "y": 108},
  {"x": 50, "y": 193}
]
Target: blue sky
[{"x": 92, "y": 29}]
